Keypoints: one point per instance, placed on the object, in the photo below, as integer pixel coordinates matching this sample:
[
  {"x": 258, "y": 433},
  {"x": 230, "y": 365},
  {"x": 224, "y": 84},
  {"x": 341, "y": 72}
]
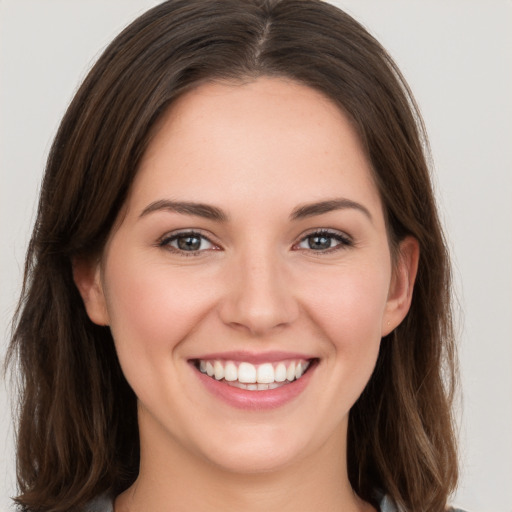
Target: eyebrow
[
  {"x": 213, "y": 213},
  {"x": 187, "y": 208},
  {"x": 312, "y": 209}
]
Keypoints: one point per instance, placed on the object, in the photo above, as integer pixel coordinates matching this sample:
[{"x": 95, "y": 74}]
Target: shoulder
[
  {"x": 106, "y": 504},
  {"x": 387, "y": 504},
  {"x": 100, "y": 504}
]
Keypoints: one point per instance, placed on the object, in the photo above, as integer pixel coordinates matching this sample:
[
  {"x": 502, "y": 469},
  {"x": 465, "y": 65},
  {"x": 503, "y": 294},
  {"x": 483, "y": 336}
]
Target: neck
[{"x": 172, "y": 479}]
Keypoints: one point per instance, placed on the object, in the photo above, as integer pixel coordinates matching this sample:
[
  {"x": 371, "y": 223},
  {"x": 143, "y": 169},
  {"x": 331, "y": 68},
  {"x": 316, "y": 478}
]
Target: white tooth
[
  {"x": 262, "y": 387},
  {"x": 280, "y": 373},
  {"x": 298, "y": 371},
  {"x": 202, "y": 366},
  {"x": 219, "y": 370},
  {"x": 252, "y": 387},
  {"x": 230, "y": 372},
  {"x": 209, "y": 369},
  {"x": 246, "y": 373},
  {"x": 273, "y": 385},
  {"x": 265, "y": 373},
  {"x": 290, "y": 372}
]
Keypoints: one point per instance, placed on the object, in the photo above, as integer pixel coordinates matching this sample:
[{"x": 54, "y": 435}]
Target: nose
[{"x": 260, "y": 295}]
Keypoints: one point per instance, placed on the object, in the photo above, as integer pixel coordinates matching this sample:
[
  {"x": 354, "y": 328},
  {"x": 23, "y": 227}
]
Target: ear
[
  {"x": 87, "y": 277},
  {"x": 402, "y": 284}
]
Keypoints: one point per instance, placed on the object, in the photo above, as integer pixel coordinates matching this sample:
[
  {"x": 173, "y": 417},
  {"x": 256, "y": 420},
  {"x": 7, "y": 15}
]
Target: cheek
[
  {"x": 346, "y": 307},
  {"x": 151, "y": 307},
  {"x": 348, "y": 310},
  {"x": 349, "y": 304}
]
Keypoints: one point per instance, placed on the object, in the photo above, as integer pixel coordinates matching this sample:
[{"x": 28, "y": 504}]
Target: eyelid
[
  {"x": 345, "y": 240},
  {"x": 342, "y": 237},
  {"x": 164, "y": 241}
]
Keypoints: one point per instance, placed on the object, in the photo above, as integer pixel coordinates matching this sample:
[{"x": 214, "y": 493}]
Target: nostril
[{"x": 243, "y": 315}]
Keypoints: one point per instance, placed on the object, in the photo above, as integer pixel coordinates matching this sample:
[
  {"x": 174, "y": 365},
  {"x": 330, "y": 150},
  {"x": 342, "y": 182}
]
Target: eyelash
[
  {"x": 344, "y": 242},
  {"x": 165, "y": 242}
]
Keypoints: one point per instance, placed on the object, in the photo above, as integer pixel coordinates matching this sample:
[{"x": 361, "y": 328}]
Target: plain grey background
[{"x": 457, "y": 57}]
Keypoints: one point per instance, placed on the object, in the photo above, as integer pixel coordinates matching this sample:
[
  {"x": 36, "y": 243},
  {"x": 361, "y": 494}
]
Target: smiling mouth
[{"x": 254, "y": 377}]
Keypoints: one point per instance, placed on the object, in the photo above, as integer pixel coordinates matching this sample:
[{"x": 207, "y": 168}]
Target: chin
[
  {"x": 259, "y": 450},
  {"x": 255, "y": 459}
]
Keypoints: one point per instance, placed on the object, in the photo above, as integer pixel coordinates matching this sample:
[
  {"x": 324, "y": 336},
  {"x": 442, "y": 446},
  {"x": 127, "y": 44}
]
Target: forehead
[{"x": 226, "y": 141}]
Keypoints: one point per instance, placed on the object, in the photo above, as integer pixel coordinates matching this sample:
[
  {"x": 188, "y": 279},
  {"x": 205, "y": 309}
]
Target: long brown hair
[{"x": 77, "y": 432}]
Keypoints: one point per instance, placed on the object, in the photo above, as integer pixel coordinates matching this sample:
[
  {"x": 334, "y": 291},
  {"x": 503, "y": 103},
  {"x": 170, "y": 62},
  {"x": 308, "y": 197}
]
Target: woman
[{"x": 219, "y": 288}]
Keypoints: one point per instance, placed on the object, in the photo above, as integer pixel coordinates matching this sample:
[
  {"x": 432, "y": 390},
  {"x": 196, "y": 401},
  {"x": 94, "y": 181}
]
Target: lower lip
[{"x": 256, "y": 400}]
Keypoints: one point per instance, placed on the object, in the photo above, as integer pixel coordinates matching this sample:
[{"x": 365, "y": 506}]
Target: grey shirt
[{"x": 106, "y": 504}]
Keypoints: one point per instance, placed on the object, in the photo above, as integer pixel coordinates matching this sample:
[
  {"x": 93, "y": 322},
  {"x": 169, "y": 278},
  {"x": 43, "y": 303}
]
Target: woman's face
[{"x": 250, "y": 281}]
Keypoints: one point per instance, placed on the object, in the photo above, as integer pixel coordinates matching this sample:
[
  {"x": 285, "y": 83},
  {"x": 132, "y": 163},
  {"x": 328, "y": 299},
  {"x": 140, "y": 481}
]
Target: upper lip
[{"x": 253, "y": 357}]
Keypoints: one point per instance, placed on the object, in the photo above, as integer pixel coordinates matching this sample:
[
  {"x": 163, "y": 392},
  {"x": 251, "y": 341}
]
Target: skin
[{"x": 258, "y": 151}]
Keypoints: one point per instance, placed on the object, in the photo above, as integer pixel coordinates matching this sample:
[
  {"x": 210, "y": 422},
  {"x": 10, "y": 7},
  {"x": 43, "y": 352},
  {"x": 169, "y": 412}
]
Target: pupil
[
  {"x": 189, "y": 243},
  {"x": 319, "y": 242}
]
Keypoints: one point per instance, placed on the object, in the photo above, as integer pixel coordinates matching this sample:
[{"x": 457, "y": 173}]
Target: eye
[
  {"x": 324, "y": 241},
  {"x": 187, "y": 242}
]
